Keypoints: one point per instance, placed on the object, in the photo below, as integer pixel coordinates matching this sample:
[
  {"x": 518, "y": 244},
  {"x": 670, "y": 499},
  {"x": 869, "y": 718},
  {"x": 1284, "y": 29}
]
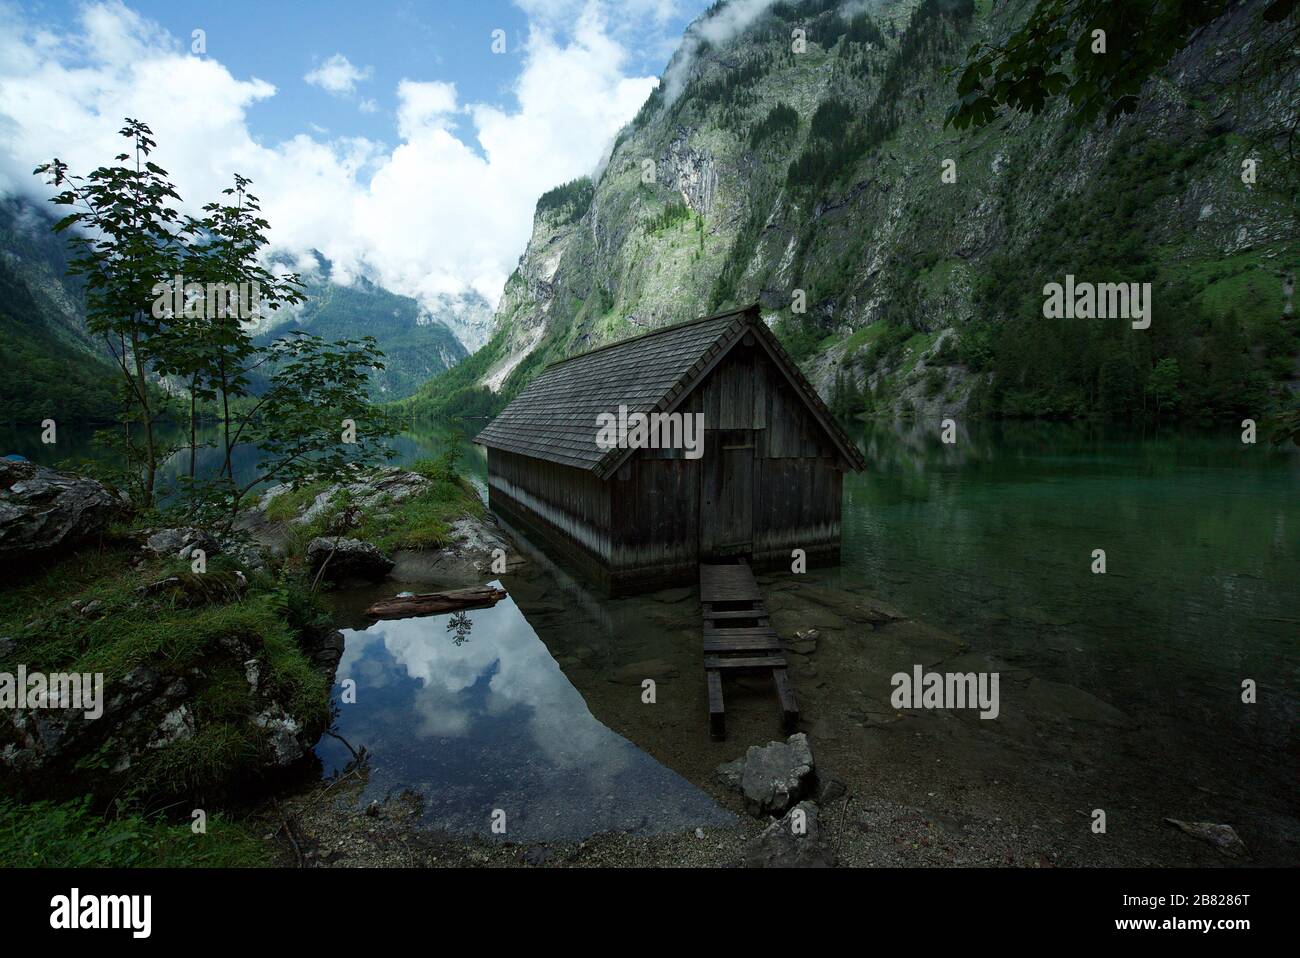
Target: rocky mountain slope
[{"x": 812, "y": 181}]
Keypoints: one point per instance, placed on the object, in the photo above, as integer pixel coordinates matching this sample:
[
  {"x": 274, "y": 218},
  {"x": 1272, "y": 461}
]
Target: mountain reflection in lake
[{"x": 471, "y": 712}]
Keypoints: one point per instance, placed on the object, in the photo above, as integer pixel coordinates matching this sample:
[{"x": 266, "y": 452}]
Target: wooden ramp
[{"x": 739, "y": 637}]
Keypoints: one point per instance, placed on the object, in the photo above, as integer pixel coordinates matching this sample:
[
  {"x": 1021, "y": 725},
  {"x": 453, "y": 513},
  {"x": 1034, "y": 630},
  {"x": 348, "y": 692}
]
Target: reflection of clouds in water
[
  {"x": 494, "y": 723},
  {"x": 522, "y": 671}
]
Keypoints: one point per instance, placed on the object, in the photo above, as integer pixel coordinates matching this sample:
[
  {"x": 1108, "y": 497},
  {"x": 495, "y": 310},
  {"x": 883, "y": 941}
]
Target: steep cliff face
[{"x": 811, "y": 177}]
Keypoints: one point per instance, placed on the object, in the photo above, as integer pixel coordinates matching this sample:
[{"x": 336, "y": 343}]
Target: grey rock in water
[
  {"x": 324, "y": 648},
  {"x": 772, "y": 777},
  {"x": 351, "y": 559},
  {"x": 1223, "y": 837},
  {"x": 43, "y": 511},
  {"x": 794, "y": 841},
  {"x": 803, "y": 643}
]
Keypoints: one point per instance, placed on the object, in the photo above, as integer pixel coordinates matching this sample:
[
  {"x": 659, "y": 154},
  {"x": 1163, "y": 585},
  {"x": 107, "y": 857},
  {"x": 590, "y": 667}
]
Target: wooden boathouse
[{"x": 768, "y": 480}]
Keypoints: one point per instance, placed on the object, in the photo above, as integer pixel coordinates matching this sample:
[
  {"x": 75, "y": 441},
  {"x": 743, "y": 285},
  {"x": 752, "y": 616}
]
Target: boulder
[
  {"x": 284, "y": 735},
  {"x": 194, "y": 589},
  {"x": 345, "y": 559},
  {"x": 43, "y": 511},
  {"x": 772, "y": 777},
  {"x": 729, "y": 774},
  {"x": 792, "y": 842},
  {"x": 180, "y": 542}
]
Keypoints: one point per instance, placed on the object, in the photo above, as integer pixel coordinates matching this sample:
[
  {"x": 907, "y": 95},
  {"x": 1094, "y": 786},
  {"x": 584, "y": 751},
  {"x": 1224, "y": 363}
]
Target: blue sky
[
  {"x": 385, "y": 133},
  {"x": 448, "y": 40}
]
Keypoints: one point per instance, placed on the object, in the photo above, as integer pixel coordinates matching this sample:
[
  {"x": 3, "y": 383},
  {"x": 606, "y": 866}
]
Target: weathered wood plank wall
[{"x": 651, "y": 522}]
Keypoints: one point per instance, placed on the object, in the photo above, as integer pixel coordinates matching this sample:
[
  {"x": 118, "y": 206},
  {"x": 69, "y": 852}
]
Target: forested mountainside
[
  {"x": 774, "y": 171},
  {"x": 51, "y": 367},
  {"x": 49, "y": 364},
  {"x": 416, "y": 345}
]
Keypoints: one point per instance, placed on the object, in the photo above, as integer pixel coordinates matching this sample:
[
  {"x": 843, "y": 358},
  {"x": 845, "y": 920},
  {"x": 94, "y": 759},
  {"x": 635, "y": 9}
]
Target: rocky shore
[{"x": 215, "y": 654}]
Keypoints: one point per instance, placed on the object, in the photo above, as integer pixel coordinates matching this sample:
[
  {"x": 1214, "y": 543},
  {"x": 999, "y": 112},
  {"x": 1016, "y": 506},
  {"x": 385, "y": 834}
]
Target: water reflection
[{"x": 472, "y": 713}]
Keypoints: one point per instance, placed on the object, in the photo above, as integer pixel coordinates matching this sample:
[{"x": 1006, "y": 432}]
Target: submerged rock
[
  {"x": 804, "y": 643},
  {"x": 1223, "y": 837},
  {"x": 43, "y": 511}
]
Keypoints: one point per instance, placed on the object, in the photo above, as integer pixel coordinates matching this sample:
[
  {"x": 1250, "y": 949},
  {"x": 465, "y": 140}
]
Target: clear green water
[{"x": 992, "y": 539}]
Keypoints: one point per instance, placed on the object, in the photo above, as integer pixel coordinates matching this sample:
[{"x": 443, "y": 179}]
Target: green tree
[
  {"x": 313, "y": 419},
  {"x": 1162, "y": 385},
  {"x": 1056, "y": 52},
  {"x": 134, "y": 242}
]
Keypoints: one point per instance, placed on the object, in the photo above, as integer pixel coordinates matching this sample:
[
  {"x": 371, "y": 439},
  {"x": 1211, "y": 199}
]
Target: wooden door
[{"x": 727, "y": 494}]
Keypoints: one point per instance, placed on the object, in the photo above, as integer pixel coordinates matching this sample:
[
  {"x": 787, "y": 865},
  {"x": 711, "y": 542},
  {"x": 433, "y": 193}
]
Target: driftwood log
[{"x": 433, "y": 603}]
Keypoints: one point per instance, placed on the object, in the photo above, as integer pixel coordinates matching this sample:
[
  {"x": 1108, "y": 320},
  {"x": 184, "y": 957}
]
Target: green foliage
[
  {"x": 202, "y": 340},
  {"x": 181, "y": 633},
  {"x": 568, "y": 202},
  {"x": 1162, "y": 384},
  {"x": 781, "y": 120},
  {"x": 847, "y": 400},
  {"x": 1195, "y": 364},
  {"x": 1055, "y": 52},
  {"x": 42, "y": 377},
  {"x": 71, "y": 835},
  {"x": 671, "y": 215}
]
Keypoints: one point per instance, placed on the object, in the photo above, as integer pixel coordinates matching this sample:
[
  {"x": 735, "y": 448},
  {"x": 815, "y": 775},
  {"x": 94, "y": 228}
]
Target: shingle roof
[{"x": 554, "y": 417}]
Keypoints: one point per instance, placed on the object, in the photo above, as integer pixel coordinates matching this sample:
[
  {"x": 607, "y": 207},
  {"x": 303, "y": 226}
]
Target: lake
[{"x": 532, "y": 706}]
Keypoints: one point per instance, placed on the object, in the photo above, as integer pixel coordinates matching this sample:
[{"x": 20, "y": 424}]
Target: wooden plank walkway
[{"x": 739, "y": 637}]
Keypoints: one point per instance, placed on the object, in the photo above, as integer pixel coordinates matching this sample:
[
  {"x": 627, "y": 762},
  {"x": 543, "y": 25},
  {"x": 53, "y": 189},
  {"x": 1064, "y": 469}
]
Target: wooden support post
[{"x": 717, "y": 714}]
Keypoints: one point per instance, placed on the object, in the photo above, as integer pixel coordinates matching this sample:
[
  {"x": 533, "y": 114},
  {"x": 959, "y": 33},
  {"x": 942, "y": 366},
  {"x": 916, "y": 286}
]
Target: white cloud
[
  {"x": 433, "y": 215},
  {"x": 717, "y": 30},
  {"x": 338, "y": 76},
  {"x": 423, "y": 106}
]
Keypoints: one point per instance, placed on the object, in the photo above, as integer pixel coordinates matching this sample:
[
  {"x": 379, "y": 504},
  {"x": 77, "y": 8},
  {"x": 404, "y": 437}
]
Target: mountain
[
  {"x": 416, "y": 344},
  {"x": 757, "y": 173},
  {"x": 50, "y": 367}
]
